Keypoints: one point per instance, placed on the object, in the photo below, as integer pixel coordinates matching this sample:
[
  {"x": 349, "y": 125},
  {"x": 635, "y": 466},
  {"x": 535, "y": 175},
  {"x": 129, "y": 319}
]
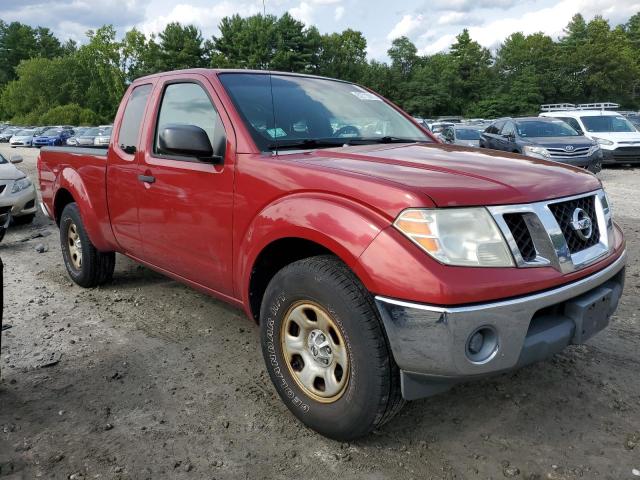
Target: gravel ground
[{"x": 155, "y": 380}]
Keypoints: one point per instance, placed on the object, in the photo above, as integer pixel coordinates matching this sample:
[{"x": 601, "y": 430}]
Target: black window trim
[
  {"x": 116, "y": 142},
  {"x": 183, "y": 158}
]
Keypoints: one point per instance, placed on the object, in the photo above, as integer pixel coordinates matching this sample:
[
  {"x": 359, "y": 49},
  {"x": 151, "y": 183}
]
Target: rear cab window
[{"x": 132, "y": 118}]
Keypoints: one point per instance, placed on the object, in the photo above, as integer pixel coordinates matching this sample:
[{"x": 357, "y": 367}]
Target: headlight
[
  {"x": 535, "y": 151},
  {"x": 20, "y": 185},
  {"x": 606, "y": 205},
  {"x": 603, "y": 141},
  {"x": 456, "y": 236}
]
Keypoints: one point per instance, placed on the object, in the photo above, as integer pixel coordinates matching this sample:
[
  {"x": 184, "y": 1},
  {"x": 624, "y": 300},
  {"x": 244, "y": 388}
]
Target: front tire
[
  {"x": 86, "y": 266},
  {"x": 326, "y": 350}
]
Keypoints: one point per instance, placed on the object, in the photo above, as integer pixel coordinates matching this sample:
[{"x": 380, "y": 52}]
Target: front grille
[
  {"x": 563, "y": 212},
  {"x": 562, "y": 153},
  {"x": 627, "y": 154},
  {"x": 521, "y": 235},
  {"x": 4, "y": 210}
]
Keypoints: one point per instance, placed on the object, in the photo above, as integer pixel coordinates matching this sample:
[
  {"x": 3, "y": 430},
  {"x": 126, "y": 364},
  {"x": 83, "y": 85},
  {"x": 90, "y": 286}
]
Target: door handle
[{"x": 146, "y": 178}]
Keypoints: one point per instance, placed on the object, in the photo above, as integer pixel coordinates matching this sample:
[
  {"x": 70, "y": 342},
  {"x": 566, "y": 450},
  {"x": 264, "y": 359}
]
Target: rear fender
[
  {"x": 94, "y": 213},
  {"x": 340, "y": 225}
]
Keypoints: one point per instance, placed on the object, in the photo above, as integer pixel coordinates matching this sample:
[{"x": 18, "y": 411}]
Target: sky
[{"x": 431, "y": 24}]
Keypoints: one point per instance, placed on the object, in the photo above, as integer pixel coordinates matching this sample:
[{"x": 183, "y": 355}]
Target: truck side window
[
  {"x": 132, "y": 118},
  {"x": 189, "y": 104}
]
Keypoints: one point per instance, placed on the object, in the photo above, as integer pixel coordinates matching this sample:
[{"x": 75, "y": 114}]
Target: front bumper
[
  {"x": 621, "y": 155},
  {"x": 430, "y": 344},
  {"x": 20, "y": 203},
  {"x": 593, "y": 163}
]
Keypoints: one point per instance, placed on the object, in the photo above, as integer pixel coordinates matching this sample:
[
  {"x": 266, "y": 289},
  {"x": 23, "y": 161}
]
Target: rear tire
[
  {"x": 359, "y": 363},
  {"x": 85, "y": 264}
]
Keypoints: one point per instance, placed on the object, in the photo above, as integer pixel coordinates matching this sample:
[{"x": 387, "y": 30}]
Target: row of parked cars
[
  {"x": 56, "y": 135},
  {"x": 584, "y": 136}
]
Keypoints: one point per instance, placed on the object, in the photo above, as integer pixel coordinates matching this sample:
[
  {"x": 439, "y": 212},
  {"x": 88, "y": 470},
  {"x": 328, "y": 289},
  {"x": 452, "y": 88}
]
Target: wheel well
[
  {"x": 63, "y": 198},
  {"x": 272, "y": 259}
]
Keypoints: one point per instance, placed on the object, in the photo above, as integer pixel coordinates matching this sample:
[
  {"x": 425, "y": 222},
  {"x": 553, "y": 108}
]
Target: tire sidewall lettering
[{"x": 273, "y": 363}]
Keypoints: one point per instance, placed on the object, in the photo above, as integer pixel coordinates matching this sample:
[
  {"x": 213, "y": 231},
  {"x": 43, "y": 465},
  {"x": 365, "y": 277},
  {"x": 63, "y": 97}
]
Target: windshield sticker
[
  {"x": 366, "y": 96},
  {"x": 276, "y": 132}
]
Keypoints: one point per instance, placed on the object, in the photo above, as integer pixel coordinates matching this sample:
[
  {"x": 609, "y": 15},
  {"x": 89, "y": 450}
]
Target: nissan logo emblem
[{"x": 582, "y": 224}]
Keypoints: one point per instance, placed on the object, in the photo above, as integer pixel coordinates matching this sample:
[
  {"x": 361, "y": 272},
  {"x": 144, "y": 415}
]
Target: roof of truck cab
[{"x": 217, "y": 71}]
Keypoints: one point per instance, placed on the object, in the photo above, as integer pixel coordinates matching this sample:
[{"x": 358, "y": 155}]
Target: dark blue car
[{"x": 52, "y": 137}]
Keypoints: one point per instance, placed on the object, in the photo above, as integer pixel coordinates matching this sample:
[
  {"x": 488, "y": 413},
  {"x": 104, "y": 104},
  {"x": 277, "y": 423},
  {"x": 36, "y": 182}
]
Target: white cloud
[
  {"x": 339, "y": 13},
  {"x": 468, "y": 5},
  {"x": 205, "y": 18},
  {"x": 406, "y": 26},
  {"x": 459, "y": 18},
  {"x": 303, "y": 12}
]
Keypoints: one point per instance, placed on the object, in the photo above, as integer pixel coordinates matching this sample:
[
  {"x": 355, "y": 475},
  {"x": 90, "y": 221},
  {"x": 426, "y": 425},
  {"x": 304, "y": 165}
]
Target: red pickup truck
[{"x": 381, "y": 265}]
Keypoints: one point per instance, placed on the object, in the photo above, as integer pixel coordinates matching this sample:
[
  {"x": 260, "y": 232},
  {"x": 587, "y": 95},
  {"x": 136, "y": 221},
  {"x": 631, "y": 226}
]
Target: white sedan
[
  {"x": 17, "y": 192},
  {"x": 22, "y": 138}
]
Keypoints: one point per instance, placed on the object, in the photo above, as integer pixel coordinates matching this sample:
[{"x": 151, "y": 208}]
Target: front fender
[
  {"x": 340, "y": 225},
  {"x": 91, "y": 201}
]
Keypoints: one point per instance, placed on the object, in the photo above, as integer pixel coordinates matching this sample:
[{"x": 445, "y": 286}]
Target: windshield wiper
[
  {"x": 304, "y": 143},
  {"x": 385, "y": 139}
]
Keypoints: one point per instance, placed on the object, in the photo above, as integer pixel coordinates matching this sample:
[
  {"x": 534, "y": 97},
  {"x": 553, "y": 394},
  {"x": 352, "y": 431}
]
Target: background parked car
[
  {"x": 103, "y": 138},
  {"x": 78, "y": 131},
  {"x": 17, "y": 192},
  {"x": 52, "y": 137},
  {"x": 618, "y": 138},
  {"x": 633, "y": 117},
  {"x": 6, "y": 135},
  {"x": 545, "y": 138},
  {"x": 437, "y": 128},
  {"x": 87, "y": 138},
  {"x": 22, "y": 138},
  {"x": 461, "y": 134}
]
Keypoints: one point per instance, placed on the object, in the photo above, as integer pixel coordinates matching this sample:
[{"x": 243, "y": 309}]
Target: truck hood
[
  {"x": 9, "y": 172},
  {"x": 459, "y": 176}
]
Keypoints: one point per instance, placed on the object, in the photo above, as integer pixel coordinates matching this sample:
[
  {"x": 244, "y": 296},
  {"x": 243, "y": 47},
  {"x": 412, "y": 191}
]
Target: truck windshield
[
  {"x": 306, "y": 112},
  {"x": 545, "y": 128},
  {"x": 607, "y": 123}
]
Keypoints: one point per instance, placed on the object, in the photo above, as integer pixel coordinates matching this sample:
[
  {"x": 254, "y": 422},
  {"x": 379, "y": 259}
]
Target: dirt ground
[{"x": 156, "y": 380}]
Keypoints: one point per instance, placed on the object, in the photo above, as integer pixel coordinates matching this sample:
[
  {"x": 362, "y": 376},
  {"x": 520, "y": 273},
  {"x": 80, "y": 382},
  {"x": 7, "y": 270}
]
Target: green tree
[
  {"x": 100, "y": 61},
  {"x": 404, "y": 55},
  {"x": 70, "y": 114},
  {"x": 343, "y": 55},
  {"x": 181, "y": 47},
  {"x": 473, "y": 75}
]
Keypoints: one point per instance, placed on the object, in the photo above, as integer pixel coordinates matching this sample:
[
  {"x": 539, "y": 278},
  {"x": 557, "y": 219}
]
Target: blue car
[{"x": 52, "y": 137}]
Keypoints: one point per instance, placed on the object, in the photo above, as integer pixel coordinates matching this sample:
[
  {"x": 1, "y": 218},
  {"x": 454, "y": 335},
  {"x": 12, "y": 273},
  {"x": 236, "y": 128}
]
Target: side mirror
[
  {"x": 189, "y": 141},
  {"x": 15, "y": 159}
]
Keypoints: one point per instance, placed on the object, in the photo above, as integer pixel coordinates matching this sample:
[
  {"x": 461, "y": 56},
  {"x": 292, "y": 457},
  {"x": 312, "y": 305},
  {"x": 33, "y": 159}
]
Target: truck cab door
[
  {"x": 185, "y": 203},
  {"x": 122, "y": 173}
]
